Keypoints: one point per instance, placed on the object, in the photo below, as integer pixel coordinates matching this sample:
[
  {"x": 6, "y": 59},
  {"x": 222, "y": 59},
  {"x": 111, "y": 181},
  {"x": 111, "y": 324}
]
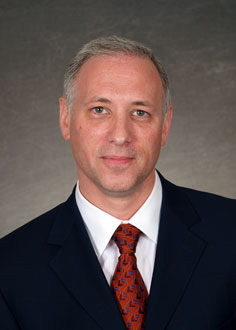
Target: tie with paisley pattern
[{"x": 127, "y": 283}]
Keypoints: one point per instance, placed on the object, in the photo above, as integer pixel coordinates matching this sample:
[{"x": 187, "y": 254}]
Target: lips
[{"x": 117, "y": 160}]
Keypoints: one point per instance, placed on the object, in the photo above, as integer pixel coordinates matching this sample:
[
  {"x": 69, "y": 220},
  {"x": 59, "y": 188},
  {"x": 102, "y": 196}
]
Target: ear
[
  {"x": 64, "y": 118},
  {"x": 166, "y": 126}
]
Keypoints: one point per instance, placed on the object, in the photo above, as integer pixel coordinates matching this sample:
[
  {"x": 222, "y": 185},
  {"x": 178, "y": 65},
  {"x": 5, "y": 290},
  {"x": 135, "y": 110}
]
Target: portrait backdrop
[{"x": 195, "y": 41}]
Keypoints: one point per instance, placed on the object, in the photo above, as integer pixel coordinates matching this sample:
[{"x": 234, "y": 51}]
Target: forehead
[
  {"x": 118, "y": 74},
  {"x": 118, "y": 65}
]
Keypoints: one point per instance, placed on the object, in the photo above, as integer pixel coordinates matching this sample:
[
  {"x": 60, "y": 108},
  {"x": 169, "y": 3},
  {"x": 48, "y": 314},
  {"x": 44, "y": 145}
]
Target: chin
[{"x": 119, "y": 189}]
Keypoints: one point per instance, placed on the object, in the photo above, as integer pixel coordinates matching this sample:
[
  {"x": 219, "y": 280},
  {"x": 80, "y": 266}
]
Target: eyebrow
[
  {"x": 142, "y": 103},
  {"x": 98, "y": 99},
  {"x": 105, "y": 100}
]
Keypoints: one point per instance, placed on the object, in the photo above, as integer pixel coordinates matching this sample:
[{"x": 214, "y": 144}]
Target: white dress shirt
[{"x": 101, "y": 226}]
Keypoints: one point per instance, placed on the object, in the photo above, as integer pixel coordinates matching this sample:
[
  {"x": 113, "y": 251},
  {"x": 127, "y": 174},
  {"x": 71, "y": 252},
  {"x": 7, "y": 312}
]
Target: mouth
[{"x": 117, "y": 160}]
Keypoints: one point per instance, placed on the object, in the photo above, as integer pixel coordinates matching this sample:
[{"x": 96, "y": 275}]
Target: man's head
[
  {"x": 116, "y": 124},
  {"x": 112, "y": 45}
]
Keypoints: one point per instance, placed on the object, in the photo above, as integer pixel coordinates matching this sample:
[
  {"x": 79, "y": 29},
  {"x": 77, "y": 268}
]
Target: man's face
[{"x": 116, "y": 128}]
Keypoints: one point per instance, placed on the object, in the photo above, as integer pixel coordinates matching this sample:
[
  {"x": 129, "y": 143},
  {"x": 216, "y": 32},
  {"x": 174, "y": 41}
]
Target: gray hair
[{"x": 112, "y": 45}]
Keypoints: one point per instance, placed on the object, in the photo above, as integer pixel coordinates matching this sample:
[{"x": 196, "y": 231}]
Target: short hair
[{"x": 112, "y": 45}]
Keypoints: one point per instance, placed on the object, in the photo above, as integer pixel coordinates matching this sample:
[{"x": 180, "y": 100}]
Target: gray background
[{"x": 194, "y": 39}]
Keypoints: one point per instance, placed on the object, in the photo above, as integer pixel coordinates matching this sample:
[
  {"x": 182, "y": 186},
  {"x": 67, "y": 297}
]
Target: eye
[
  {"x": 140, "y": 113},
  {"x": 98, "y": 110}
]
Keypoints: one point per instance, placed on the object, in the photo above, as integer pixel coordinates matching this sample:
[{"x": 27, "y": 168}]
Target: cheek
[
  {"x": 152, "y": 140},
  {"x": 76, "y": 139},
  {"x": 84, "y": 140},
  {"x": 152, "y": 146},
  {"x": 78, "y": 133}
]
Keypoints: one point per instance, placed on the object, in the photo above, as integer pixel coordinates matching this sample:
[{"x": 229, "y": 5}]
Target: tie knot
[{"x": 126, "y": 238}]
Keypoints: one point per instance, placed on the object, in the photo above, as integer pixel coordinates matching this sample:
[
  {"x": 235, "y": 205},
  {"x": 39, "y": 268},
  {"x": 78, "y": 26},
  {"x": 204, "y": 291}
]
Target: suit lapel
[
  {"x": 178, "y": 253},
  {"x": 79, "y": 270}
]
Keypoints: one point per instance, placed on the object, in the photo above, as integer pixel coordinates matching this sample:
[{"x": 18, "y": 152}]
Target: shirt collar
[{"x": 101, "y": 225}]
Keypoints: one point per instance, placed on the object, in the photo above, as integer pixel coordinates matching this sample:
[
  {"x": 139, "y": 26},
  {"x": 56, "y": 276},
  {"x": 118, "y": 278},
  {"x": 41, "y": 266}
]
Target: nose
[{"x": 120, "y": 131}]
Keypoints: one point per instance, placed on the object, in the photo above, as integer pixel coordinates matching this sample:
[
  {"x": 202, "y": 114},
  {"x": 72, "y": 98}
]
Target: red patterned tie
[{"x": 127, "y": 283}]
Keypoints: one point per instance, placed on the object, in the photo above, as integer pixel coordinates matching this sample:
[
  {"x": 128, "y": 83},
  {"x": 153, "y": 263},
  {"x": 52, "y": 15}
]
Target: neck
[{"x": 119, "y": 206}]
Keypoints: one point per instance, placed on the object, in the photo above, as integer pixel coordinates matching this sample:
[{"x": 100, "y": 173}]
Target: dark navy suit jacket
[{"x": 50, "y": 278}]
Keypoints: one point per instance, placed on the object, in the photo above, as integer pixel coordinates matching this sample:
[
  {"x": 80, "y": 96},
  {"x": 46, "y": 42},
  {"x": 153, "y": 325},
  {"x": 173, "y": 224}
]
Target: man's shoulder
[
  {"x": 205, "y": 202},
  {"x": 30, "y": 236},
  {"x": 217, "y": 214},
  {"x": 211, "y": 204},
  {"x": 212, "y": 216}
]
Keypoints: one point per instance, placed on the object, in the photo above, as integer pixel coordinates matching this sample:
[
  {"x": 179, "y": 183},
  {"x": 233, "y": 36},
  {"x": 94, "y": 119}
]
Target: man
[{"x": 128, "y": 249}]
